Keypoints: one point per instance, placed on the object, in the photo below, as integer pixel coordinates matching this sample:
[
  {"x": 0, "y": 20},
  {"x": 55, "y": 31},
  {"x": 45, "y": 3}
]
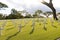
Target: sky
[{"x": 29, "y": 5}]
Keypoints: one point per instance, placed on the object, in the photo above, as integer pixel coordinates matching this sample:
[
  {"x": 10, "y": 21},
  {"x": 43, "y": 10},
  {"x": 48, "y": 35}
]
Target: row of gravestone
[
  {"x": 33, "y": 23},
  {"x": 26, "y": 21}
]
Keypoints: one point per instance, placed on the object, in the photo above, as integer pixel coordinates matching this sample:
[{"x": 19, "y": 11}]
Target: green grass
[{"x": 39, "y": 33}]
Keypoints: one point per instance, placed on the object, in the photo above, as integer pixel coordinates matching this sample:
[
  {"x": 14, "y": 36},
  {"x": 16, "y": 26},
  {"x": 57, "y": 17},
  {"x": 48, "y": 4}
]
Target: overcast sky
[{"x": 29, "y": 5}]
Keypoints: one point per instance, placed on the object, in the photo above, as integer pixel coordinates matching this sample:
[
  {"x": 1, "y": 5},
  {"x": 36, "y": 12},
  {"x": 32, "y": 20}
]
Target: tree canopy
[{"x": 2, "y": 5}]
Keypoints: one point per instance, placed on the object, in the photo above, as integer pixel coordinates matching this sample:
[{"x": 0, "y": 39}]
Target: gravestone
[
  {"x": 4, "y": 24},
  {"x": 59, "y": 22},
  {"x": 44, "y": 23},
  {"x": 13, "y": 21},
  {"x": 45, "y": 28},
  {"x": 20, "y": 27},
  {"x": 1, "y": 28},
  {"x": 25, "y": 21},
  {"x": 52, "y": 23},
  {"x": 33, "y": 25}
]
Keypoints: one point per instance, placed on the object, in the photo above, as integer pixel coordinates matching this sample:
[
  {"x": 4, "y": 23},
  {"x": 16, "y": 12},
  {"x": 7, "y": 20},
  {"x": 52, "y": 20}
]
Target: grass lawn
[{"x": 44, "y": 29}]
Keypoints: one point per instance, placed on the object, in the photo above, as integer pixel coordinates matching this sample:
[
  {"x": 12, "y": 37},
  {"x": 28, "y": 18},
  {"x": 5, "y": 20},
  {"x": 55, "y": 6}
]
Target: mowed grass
[{"x": 39, "y": 32}]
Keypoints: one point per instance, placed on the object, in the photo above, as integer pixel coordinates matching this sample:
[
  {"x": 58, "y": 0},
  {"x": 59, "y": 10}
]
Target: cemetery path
[{"x": 12, "y": 35}]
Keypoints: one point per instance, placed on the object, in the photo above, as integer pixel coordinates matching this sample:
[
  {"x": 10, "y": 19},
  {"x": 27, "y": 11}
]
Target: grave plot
[
  {"x": 4, "y": 23},
  {"x": 41, "y": 21},
  {"x": 9, "y": 25},
  {"x": 28, "y": 20},
  {"x": 17, "y": 22},
  {"x": 1, "y": 22},
  {"x": 14, "y": 23},
  {"x": 24, "y": 23},
  {"x": 36, "y": 20}
]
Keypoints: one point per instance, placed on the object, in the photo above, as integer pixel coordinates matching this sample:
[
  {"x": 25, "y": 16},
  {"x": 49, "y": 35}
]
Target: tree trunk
[
  {"x": 54, "y": 13},
  {"x": 50, "y": 5}
]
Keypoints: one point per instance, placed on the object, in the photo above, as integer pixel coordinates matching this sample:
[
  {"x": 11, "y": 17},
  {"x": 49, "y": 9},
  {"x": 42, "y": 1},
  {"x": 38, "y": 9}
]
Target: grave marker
[
  {"x": 44, "y": 27},
  {"x": 1, "y": 28},
  {"x": 20, "y": 27},
  {"x": 33, "y": 25}
]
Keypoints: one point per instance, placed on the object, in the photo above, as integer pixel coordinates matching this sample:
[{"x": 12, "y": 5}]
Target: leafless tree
[{"x": 50, "y": 5}]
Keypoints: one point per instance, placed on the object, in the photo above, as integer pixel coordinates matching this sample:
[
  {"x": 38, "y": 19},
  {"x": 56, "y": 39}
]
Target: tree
[
  {"x": 47, "y": 13},
  {"x": 14, "y": 15},
  {"x": 28, "y": 16},
  {"x": 2, "y": 5},
  {"x": 1, "y": 16},
  {"x": 50, "y": 5},
  {"x": 37, "y": 13},
  {"x": 13, "y": 11}
]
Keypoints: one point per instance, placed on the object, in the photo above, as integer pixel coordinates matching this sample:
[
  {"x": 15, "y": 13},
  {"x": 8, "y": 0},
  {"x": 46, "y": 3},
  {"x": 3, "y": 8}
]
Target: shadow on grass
[
  {"x": 10, "y": 28},
  {"x": 57, "y": 38},
  {"x": 54, "y": 26},
  {"x": 13, "y": 35},
  {"x": 39, "y": 23},
  {"x": 45, "y": 28},
  {"x": 32, "y": 31}
]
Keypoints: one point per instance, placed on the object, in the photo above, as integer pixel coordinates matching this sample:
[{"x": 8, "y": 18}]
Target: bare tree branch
[{"x": 50, "y": 5}]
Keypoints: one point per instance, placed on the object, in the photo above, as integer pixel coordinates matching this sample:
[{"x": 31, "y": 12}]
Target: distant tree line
[{"x": 18, "y": 14}]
